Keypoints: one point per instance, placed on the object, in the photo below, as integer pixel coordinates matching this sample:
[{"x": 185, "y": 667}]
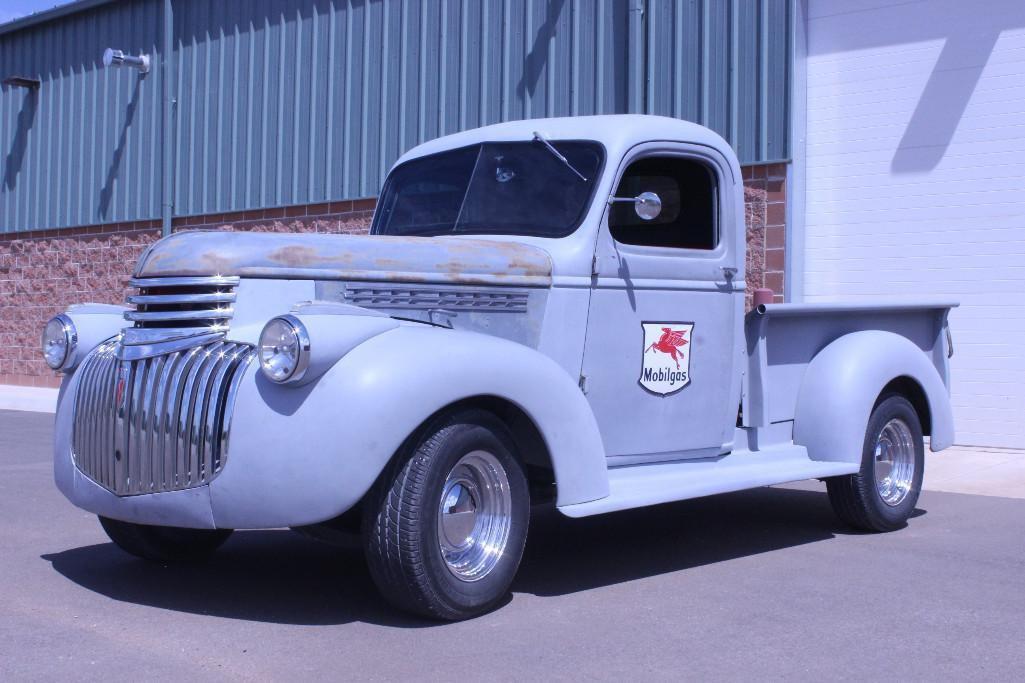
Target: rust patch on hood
[
  {"x": 348, "y": 257},
  {"x": 294, "y": 256}
]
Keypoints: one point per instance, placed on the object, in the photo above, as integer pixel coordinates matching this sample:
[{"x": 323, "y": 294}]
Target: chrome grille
[
  {"x": 182, "y": 302},
  {"x": 156, "y": 424},
  {"x": 177, "y": 313}
]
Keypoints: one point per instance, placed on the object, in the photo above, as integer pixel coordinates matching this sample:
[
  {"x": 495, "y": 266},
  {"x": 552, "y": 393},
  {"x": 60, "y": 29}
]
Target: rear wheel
[
  {"x": 883, "y": 494},
  {"x": 164, "y": 543},
  {"x": 445, "y": 532}
]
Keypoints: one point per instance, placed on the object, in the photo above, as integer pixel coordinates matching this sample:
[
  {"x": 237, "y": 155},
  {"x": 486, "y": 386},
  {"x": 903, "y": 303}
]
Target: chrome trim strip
[
  {"x": 134, "y": 336},
  {"x": 158, "y": 299},
  {"x": 241, "y": 368},
  {"x": 163, "y": 316},
  {"x": 140, "y": 351},
  {"x": 202, "y": 403},
  {"x": 206, "y": 281}
]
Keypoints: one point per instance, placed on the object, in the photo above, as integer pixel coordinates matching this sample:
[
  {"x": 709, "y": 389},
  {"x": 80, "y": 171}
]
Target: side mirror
[{"x": 647, "y": 205}]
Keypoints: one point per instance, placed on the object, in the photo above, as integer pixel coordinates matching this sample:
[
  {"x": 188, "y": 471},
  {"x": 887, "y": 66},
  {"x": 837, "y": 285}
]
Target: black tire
[
  {"x": 164, "y": 544},
  {"x": 856, "y": 498},
  {"x": 401, "y": 522}
]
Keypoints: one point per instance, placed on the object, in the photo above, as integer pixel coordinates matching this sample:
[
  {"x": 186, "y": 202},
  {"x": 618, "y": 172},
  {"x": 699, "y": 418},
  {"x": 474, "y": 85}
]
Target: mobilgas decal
[{"x": 665, "y": 361}]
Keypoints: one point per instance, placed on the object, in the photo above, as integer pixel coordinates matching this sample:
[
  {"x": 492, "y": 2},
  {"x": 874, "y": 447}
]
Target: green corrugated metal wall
[{"x": 300, "y": 101}]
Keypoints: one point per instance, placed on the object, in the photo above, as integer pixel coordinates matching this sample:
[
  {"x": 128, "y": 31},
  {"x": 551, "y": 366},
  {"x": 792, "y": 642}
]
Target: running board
[{"x": 642, "y": 485}]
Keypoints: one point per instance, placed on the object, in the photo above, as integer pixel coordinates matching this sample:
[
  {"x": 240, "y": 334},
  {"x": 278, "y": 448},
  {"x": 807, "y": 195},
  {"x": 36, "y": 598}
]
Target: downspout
[
  {"x": 637, "y": 93},
  {"x": 167, "y": 144}
]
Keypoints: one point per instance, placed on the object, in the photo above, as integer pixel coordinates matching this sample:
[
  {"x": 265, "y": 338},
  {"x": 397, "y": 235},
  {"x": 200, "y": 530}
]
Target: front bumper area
[{"x": 284, "y": 466}]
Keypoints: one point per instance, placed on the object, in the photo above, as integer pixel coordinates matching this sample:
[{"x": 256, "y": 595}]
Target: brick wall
[
  {"x": 765, "y": 204},
  {"x": 43, "y": 272}
]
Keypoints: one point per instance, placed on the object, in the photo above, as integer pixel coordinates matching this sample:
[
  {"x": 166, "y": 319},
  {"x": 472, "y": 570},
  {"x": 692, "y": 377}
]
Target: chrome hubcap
[
  {"x": 475, "y": 516},
  {"x": 894, "y": 462}
]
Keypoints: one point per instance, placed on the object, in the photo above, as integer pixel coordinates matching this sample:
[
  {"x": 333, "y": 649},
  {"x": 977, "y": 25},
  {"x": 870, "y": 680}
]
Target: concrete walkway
[
  {"x": 979, "y": 471},
  {"x": 32, "y": 399}
]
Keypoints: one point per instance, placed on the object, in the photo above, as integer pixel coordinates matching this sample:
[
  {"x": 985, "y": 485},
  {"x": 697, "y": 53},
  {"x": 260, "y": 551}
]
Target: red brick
[
  {"x": 292, "y": 211},
  {"x": 341, "y": 207},
  {"x": 775, "y": 260},
  {"x": 364, "y": 204},
  {"x": 776, "y": 214},
  {"x": 274, "y": 213},
  {"x": 776, "y": 190},
  {"x": 775, "y": 237},
  {"x": 774, "y": 281},
  {"x": 757, "y": 184},
  {"x": 776, "y": 171}
]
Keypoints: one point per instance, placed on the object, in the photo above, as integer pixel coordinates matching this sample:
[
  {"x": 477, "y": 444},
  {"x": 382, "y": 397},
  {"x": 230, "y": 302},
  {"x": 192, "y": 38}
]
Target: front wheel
[
  {"x": 883, "y": 494},
  {"x": 445, "y": 533},
  {"x": 164, "y": 543}
]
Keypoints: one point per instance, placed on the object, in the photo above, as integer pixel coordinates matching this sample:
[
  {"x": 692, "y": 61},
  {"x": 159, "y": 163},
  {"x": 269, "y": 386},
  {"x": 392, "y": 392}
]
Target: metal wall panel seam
[
  {"x": 312, "y": 157},
  {"x": 330, "y": 119},
  {"x": 763, "y": 91},
  {"x": 235, "y": 127}
]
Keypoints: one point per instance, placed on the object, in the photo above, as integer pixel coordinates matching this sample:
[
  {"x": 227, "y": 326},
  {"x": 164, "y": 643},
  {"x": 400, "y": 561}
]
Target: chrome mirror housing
[{"x": 647, "y": 205}]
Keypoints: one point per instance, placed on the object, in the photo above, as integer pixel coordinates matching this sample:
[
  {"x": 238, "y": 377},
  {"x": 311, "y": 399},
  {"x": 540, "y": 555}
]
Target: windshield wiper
[{"x": 541, "y": 138}]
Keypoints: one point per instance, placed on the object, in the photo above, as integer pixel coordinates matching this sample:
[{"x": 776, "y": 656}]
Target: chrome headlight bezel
[
  {"x": 65, "y": 334},
  {"x": 298, "y": 337}
]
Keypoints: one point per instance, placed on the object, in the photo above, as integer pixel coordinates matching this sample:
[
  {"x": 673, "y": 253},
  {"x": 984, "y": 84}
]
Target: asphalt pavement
[{"x": 758, "y": 584}]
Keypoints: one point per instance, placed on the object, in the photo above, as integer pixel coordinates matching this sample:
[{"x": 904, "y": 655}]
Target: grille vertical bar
[{"x": 156, "y": 424}]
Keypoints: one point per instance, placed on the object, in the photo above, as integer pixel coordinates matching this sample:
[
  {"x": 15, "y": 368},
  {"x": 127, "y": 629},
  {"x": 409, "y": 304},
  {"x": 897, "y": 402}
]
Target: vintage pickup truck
[{"x": 543, "y": 308}]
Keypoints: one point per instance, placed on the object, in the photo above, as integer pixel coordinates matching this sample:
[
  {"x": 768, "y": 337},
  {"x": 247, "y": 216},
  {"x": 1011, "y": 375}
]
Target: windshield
[{"x": 506, "y": 188}]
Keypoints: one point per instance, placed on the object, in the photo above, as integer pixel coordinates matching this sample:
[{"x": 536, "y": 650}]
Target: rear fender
[{"x": 843, "y": 382}]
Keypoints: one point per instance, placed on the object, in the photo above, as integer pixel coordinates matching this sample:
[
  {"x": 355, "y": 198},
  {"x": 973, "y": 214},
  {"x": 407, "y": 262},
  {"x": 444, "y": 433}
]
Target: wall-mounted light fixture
[
  {"x": 22, "y": 82},
  {"x": 112, "y": 57}
]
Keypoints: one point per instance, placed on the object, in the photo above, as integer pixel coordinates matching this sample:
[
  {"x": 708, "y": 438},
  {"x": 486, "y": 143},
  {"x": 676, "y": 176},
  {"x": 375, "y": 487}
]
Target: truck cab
[{"x": 555, "y": 304}]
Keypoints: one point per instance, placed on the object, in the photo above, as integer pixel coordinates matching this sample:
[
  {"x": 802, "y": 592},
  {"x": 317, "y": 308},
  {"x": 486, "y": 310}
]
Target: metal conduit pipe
[{"x": 167, "y": 132}]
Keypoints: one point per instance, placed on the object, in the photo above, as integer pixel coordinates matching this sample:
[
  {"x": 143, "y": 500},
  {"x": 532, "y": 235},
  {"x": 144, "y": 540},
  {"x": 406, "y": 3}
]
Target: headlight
[
  {"x": 59, "y": 341},
  {"x": 284, "y": 349}
]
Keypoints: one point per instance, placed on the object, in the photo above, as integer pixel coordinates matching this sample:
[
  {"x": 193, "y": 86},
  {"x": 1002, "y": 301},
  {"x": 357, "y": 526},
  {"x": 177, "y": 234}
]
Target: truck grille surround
[
  {"x": 159, "y": 423},
  {"x": 182, "y": 302}
]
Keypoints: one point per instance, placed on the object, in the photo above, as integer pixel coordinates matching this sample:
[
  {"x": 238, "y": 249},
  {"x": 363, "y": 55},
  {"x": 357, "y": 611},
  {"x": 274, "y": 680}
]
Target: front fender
[
  {"x": 320, "y": 447},
  {"x": 842, "y": 383}
]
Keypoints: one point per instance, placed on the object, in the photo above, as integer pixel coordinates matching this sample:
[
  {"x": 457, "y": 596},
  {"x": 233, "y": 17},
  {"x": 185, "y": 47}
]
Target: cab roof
[{"x": 617, "y": 132}]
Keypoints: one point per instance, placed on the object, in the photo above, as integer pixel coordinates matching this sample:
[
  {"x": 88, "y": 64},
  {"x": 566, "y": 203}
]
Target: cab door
[{"x": 661, "y": 364}]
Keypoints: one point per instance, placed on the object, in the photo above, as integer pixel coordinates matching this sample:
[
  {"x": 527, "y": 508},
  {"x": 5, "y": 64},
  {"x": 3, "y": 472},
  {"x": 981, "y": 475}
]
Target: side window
[{"x": 689, "y": 214}]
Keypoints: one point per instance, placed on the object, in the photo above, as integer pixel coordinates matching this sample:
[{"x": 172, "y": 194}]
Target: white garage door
[{"x": 916, "y": 180}]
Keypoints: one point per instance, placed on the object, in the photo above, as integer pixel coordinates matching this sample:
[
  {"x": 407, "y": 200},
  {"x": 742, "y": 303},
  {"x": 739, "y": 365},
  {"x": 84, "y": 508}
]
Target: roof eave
[{"x": 50, "y": 15}]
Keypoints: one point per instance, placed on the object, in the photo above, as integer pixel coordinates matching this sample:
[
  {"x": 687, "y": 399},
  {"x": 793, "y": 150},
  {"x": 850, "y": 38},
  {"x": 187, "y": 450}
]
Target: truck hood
[{"x": 452, "y": 260}]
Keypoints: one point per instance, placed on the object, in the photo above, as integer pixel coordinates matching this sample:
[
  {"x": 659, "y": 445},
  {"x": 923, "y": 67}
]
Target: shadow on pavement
[
  {"x": 269, "y": 576},
  {"x": 569, "y": 555},
  {"x": 280, "y": 577}
]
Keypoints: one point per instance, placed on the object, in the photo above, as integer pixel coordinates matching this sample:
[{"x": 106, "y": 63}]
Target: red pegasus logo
[{"x": 670, "y": 343}]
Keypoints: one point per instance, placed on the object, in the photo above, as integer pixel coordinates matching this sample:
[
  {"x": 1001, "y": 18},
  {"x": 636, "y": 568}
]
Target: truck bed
[{"x": 782, "y": 339}]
